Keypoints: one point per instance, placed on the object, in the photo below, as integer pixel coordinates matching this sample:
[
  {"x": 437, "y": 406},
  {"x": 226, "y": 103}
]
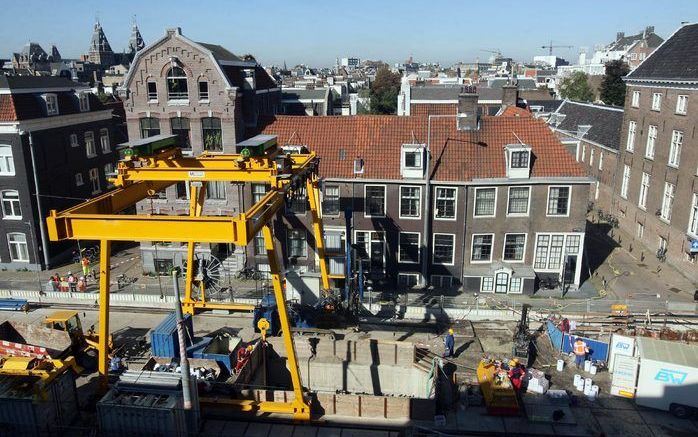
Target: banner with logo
[{"x": 620, "y": 345}]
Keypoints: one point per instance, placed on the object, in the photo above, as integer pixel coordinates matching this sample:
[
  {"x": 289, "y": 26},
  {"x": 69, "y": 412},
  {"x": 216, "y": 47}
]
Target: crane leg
[
  {"x": 314, "y": 201},
  {"x": 103, "y": 342}
]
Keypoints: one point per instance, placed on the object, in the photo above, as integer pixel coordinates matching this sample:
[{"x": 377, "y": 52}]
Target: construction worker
[
  {"x": 85, "y": 262},
  {"x": 449, "y": 343},
  {"x": 580, "y": 350},
  {"x": 516, "y": 373}
]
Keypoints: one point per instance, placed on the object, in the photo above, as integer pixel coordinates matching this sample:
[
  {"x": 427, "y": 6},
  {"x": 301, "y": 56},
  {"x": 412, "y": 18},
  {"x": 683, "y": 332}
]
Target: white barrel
[
  {"x": 560, "y": 365},
  {"x": 595, "y": 389},
  {"x": 577, "y": 378},
  {"x": 587, "y": 365},
  {"x": 587, "y": 390},
  {"x": 592, "y": 369},
  {"x": 587, "y": 383}
]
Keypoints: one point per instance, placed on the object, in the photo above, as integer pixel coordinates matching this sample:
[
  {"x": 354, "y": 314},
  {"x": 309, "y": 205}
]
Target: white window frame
[
  {"x": 601, "y": 160},
  {"x": 84, "y": 101},
  {"x": 7, "y": 160},
  {"x": 409, "y": 274},
  {"x": 494, "y": 210},
  {"x": 419, "y": 248},
  {"x": 528, "y": 206},
  {"x": 10, "y": 235},
  {"x": 104, "y": 140},
  {"x": 584, "y": 152},
  {"x": 693, "y": 217},
  {"x": 563, "y": 250},
  {"x": 51, "y": 101},
  {"x": 625, "y": 182},
  {"x": 79, "y": 182},
  {"x": 94, "y": 180},
  {"x": 504, "y": 245},
  {"x": 433, "y": 249},
  {"x": 644, "y": 189},
  {"x": 255, "y": 194},
  {"x": 90, "y": 145},
  {"x": 472, "y": 245},
  {"x": 419, "y": 207},
  {"x": 656, "y": 102},
  {"x": 675, "y": 148},
  {"x": 682, "y": 104},
  {"x": 591, "y": 157},
  {"x": 304, "y": 233},
  {"x": 651, "y": 141},
  {"x": 569, "y": 201},
  {"x": 667, "y": 202},
  {"x": 370, "y": 240},
  {"x": 640, "y": 231},
  {"x": 520, "y": 280},
  {"x": 482, "y": 284},
  {"x": 385, "y": 200},
  {"x": 14, "y": 202},
  {"x": 630, "y": 143},
  {"x": 74, "y": 140},
  {"x": 455, "y": 202},
  {"x": 635, "y": 101},
  {"x": 339, "y": 199}
]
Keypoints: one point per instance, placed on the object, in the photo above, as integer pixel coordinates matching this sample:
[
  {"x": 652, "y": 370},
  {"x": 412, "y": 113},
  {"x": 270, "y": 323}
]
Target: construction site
[{"x": 195, "y": 365}]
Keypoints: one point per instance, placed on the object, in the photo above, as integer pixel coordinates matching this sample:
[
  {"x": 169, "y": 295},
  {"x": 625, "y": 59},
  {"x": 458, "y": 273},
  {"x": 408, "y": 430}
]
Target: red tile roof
[
  {"x": 456, "y": 155},
  {"x": 421, "y": 109},
  {"x": 7, "y": 108},
  {"x": 515, "y": 111}
]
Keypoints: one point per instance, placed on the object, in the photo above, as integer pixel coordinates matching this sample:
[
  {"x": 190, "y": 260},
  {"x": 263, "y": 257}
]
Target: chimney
[
  {"x": 620, "y": 35},
  {"x": 510, "y": 94},
  {"x": 648, "y": 30},
  {"x": 171, "y": 31},
  {"x": 467, "y": 109}
]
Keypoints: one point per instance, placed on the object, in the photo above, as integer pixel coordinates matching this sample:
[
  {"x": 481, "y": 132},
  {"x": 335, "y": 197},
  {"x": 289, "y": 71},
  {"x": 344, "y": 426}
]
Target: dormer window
[
  {"x": 518, "y": 158},
  {"x": 358, "y": 165},
  {"x": 84, "y": 100},
  {"x": 51, "y": 104},
  {"x": 412, "y": 161}
]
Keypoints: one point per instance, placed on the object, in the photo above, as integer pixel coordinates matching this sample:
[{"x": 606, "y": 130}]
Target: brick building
[
  {"x": 658, "y": 170},
  {"x": 57, "y": 133},
  {"x": 506, "y": 203},
  {"x": 211, "y": 98}
]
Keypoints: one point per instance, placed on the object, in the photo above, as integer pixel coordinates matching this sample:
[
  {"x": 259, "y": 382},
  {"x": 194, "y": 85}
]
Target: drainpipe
[
  {"x": 183, "y": 360},
  {"x": 42, "y": 227}
]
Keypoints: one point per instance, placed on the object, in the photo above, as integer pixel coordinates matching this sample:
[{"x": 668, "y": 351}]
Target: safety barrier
[{"x": 598, "y": 350}]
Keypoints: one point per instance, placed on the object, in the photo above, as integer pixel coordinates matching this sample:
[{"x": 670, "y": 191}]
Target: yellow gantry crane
[{"x": 154, "y": 163}]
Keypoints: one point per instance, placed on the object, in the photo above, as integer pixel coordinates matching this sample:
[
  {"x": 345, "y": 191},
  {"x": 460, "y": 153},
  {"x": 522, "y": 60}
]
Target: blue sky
[{"x": 316, "y": 32}]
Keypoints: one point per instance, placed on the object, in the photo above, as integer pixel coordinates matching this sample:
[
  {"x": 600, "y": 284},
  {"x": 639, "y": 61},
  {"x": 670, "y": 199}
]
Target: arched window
[
  {"x": 11, "y": 208},
  {"x": 177, "y": 84},
  {"x": 7, "y": 163}
]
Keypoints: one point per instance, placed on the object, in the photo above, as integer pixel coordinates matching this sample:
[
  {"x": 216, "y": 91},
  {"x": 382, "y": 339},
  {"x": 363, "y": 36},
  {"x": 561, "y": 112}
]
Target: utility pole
[{"x": 42, "y": 228}]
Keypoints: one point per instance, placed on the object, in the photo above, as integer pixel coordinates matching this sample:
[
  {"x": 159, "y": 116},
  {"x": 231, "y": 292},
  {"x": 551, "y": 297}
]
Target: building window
[
  {"x": 358, "y": 165},
  {"x": 259, "y": 247},
  {"x": 408, "y": 280},
  {"x": 330, "y": 200},
  {"x": 413, "y": 159},
  {"x": 212, "y": 134},
  {"x": 481, "y": 250},
  {"x": 591, "y": 158},
  {"x": 487, "y": 283},
  {"x": 656, "y": 101},
  {"x": 518, "y": 200},
  {"x": 549, "y": 249},
  {"x": 625, "y": 183},
  {"x": 177, "y": 84},
  {"x": 693, "y": 222},
  {"x": 11, "y": 208},
  {"x": 519, "y": 159},
  {"x": 644, "y": 188},
  {"x": 104, "y": 140},
  {"x": 298, "y": 204},
  {"x": 558, "y": 200},
  {"x": 78, "y": 180},
  {"x": 408, "y": 251},
  {"x": 84, "y": 100},
  {"x": 258, "y": 192},
  {"x": 635, "y": 102},
  {"x": 152, "y": 91},
  {"x": 108, "y": 173},
  {"x": 651, "y": 141},
  {"x": 7, "y": 163},
  {"x": 334, "y": 241},
  {"x": 445, "y": 207},
  {"x": 149, "y": 127},
  {"x": 180, "y": 127},
  {"x": 215, "y": 190},
  {"x": 681, "y": 105},
  {"x": 516, "y": 285},
  {"x": 675, "y": 148},
  {"x": 441, "y": 281},
  {"x": 663, "y": 244},
  {"x": 374, "y": 199},
  {"x": 90, "y": 147},
  {"x": 74, "y": 140},
  {"x": 584, "y": 152},
  {"x": 485, "y": 200},
  {"x": 371, "y": 251},
  {"x": 296, "y": 243},
  {"x": 181, "y": 191},
  {"x": 640, "y": 232},
  {"x": 203, "y": 90},
  {"x": 409, "y": 202},
  {"x": 443, "y": 248},
  {"x": 601, "y": 161},
  {"x": 514, "y": 247},
  {"x": 51, "y": 104},
  {"x": 18, "y": 247},
  {"x": 94, "y": 180},
  {"x": 630, "y": 145},
  {"x": 667, "y": 201}
]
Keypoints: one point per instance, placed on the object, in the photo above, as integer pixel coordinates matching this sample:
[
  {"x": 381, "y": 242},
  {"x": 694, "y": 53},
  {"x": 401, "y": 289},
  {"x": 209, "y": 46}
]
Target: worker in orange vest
[{"x": 580, "y": 350}]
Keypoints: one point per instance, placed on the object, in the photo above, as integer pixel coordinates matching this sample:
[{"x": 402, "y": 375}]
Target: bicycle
[
  {"x": 248, "y": 273},
  {"x": 124, "y": 280}
]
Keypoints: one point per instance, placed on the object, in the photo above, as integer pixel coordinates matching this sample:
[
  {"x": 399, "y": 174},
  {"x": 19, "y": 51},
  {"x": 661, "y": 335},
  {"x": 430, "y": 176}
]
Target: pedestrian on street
[
  {"x": 82, "y": 284},
  {"x": 449, "y": 343},
  {"x": 72, "y": 281},
  {"x": 55, "y": 282},
  {"x": 580, "y": 352}
]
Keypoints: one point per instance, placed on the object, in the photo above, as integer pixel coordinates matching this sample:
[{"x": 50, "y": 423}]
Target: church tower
[{"x": 100, "y": 50}]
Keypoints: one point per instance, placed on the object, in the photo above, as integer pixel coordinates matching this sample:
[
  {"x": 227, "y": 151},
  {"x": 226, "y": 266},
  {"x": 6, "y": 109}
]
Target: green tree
[
  {"x": 612, "y": 85},
  {"x": 384, "y": 91},
  {"x": 576, "y": 87}
]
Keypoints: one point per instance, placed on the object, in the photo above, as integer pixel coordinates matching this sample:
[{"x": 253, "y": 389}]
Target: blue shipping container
[{"x": 164, "y": 340}]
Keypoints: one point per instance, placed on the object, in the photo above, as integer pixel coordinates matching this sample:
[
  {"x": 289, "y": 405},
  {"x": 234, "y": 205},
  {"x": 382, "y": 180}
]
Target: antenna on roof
[
  {"x": 414, "y": 138},
  {"x": 517, "y": 137},
  {"x": 293, "y": 135}
]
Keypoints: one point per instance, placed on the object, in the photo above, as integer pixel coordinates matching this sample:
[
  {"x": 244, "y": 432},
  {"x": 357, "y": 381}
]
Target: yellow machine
[
  {"x": 149, "y": 168},
  {"x": 69, "y": 321},
  {"x": 44, "y": 369}
]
